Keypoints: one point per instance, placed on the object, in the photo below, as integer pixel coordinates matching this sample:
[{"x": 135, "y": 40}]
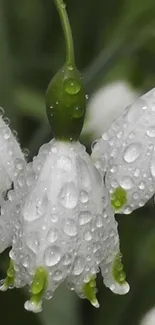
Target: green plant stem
[{"x": 61, "y": 7}]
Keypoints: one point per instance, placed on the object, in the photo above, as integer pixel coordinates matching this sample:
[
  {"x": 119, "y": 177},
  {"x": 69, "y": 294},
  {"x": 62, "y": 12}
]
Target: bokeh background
[{"x": 114, "y": 40}]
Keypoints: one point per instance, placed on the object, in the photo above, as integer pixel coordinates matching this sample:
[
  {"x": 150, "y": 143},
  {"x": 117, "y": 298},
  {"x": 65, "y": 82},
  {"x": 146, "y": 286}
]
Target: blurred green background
[{"x": 114, "y": 40}]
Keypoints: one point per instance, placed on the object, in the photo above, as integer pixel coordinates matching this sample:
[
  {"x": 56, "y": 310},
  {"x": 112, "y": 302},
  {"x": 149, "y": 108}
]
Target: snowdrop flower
[
  {"x": 64, "y": 225},
  {"x": 68, "y": 230},
  {"x": 125, "y": 155},
  {"x": 105, "y": 105},
  {"x": 11, "y": 162}
]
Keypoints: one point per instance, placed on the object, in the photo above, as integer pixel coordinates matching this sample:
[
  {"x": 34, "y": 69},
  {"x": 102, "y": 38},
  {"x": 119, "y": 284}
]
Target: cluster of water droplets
[
  {"x": 64, "y": 223},
  {"x": 126, "y": 153}
]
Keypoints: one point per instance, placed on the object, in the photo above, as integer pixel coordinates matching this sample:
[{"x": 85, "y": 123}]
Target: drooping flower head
[
  {"x": 63, "y": 221},
  {"x": 125, "y": 155},
  {"x": 67, "y": 228}
]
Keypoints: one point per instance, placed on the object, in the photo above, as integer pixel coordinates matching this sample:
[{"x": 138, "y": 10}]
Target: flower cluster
[{"x": 57, "y": 212}]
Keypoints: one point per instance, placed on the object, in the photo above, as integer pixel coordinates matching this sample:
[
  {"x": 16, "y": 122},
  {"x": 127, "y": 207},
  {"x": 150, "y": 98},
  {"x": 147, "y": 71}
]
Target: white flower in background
[
  {"x": 11, "y": 162},
  {"x": 125, "y": 155},
  {"x": 68, "y": 230},
  {"x": 149, "y": 318},
  {"x": 105, "y": 105}
]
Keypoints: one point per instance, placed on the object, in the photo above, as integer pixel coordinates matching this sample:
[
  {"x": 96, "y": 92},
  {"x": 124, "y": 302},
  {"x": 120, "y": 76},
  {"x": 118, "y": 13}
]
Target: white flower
[
  {"x": 105, "y": 105},
  {"x": 68, "y": 230},
  {"x": 11, "y": 162},
  {"x": 149, "y": 318},
  {"x": 125, "y": 155}
]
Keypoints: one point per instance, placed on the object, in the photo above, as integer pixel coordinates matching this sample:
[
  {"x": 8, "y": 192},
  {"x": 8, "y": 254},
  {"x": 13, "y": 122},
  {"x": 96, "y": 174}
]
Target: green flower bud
[{"x": 65, "y": 103}]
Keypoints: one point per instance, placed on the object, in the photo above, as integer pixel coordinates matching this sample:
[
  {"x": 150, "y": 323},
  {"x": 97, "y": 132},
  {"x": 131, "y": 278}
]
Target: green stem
[{"x": 70, "y": 57}]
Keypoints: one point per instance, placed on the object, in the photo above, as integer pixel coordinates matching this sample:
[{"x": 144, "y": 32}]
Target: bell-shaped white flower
[
  {"x": 125, "y": 155},
  {"x": 68, "y": 230},
  {"x": 11, "y": 162}
]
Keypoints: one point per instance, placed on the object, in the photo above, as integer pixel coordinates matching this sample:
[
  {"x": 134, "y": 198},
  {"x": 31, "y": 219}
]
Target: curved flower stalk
[
  {"x": 125, "y": 155},
  {"x": 67, "y": 228}
]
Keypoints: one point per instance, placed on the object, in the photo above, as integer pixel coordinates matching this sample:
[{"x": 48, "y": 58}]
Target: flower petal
[{"x": 125, "y": 155}]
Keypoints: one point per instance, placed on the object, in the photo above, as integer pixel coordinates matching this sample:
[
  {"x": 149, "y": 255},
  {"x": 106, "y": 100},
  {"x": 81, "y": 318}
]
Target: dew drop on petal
[
  {"x": 79, "y": 265},
  {"x": 84, "y": 217},
  {"x": 52, "y": 255},
  {"x": 84, "y": 196},
  {"x": 132, "y": 152},
  {"x": 66, "y": 259},
  {"x": 70, "y": 228},
  {"x": 151, "y": 132},
  {"x": 52, "y": 235},
  {"x": 126, "y": 183},
  {"x": 68, "y": 195}
]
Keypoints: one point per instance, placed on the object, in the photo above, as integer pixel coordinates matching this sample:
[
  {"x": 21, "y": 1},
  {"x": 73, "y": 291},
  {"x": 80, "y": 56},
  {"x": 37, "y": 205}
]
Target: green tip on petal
[
  {"x": 118, "y": 198},
  {"x": 65, "y": 103},
  {"x": 9, "y": 281},
  {"x": 118, "y": 273},
  {"x": 38, "y": 289},
  {"x": 89, "y": 291}
]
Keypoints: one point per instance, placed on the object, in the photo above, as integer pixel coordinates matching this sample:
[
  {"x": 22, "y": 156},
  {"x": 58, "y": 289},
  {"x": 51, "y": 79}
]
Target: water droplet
[
  {"x": 66, "y": 259},
  {"x": 132, "y": 152},
  {"x": 48, "y": 294},
  {"x": 70, "y": 228},
  {"x": 6, "y": 133},
  {"x": 70, "y": 67},
  {"x": 84, "y": 196},
  {"x": 54, "y": 218},
  {"x": 99, "y": 221},
  {"x": 137, "y": 172},
  {"x": 151, "y": 132},
  {"x": 126, "y": 183},
  {"x": 52, "y": 255},
  {"x": 72, "y": 86},
  {"x": 57, "y": 275},
  {"x": 87, "y": 236},
  {"x": 32, "y": 242},
  {"x": 68, "y": 195},
  {"x": 84, "y": 217},
  {"x": 79, "y": 264},
  {"x": 52, "y": 235},
  {"x": 64, "y": 163},
  {"x": 78, "y": 111},
  {"x": 141, "y": 185}
]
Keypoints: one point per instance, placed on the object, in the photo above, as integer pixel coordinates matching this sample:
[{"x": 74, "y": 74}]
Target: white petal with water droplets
[{"x": 133, "y": 165}]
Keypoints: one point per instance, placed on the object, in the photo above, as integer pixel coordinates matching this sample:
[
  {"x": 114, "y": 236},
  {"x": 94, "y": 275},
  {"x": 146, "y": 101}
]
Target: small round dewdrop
[
  {"x": 126, "y": 153},
  {"x": 68, "y": 229}
]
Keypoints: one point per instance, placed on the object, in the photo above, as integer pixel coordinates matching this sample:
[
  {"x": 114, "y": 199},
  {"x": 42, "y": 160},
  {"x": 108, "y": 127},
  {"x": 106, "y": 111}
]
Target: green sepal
[{"x": 66, "y": 103}]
